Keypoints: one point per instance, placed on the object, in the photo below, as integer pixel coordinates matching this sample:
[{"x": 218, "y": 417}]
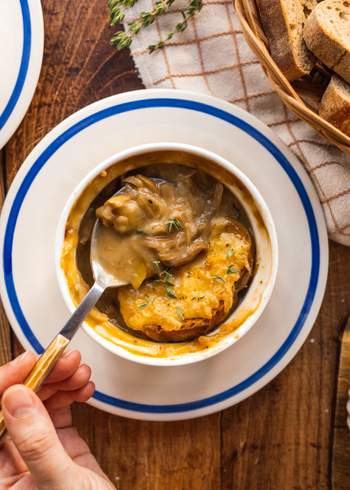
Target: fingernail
[
  {"x": 20, "y": 358},
  {"x": 18, "y": 401}
]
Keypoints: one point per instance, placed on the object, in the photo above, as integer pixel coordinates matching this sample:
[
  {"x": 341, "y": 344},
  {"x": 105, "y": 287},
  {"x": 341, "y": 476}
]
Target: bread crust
[
  {"x": 191, "y": 328},
  {"x": 324, "y": 41},
  {"x": 335, "y": 105},
  {"x": 282, "y": 21}
]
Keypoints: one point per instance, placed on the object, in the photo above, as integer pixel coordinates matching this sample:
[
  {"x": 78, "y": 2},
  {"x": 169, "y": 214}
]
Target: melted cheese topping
[{"x": 197, "y": 291}]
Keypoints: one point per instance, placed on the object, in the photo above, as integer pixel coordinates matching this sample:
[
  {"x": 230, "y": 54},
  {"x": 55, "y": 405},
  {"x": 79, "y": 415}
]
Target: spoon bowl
[
  {"x": 109, "y": 269},
  {"x": 101, "y": 276}
]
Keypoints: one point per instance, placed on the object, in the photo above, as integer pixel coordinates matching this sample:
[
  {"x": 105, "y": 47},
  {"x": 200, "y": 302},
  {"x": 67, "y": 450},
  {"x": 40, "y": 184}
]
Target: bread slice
[
  {"x": 327, "y": 35},
  {"x": 335, "y": 104},
  {"x": 283, "y": 22},
  {"x": 204, "y": 291}
]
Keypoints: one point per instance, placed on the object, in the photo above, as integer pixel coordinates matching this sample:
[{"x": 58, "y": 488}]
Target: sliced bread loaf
[
  {"x": 327, "y": 35},
  {"x": 283, "y": 22},
  {"x": 335, "y": 104}
]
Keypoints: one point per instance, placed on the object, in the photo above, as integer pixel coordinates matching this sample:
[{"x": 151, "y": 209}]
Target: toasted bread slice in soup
[{"x": 190, "y": 301}]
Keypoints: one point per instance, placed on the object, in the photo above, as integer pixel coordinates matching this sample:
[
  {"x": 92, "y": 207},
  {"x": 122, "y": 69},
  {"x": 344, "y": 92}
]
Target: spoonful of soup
[{"x": 152, "y": 222}]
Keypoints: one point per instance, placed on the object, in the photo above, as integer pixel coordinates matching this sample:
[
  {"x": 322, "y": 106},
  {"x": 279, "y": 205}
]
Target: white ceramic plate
[
  {"x": 28, "y": 283},
  {"x": 22, "y": 44}
]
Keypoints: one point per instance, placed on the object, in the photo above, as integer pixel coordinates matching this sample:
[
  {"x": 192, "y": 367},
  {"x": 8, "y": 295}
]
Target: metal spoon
[
  {"x": 103, "y": 280},
  {"x": 54, "y": 351},
  {"x": 52, "y": 354}
]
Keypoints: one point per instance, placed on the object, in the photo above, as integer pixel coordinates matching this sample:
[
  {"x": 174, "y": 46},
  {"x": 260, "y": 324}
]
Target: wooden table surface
[{"x": 280, "y": 438}]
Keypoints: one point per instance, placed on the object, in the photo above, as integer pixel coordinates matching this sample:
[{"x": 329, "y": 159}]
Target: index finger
[
  {"x": 17, "y": 370},
  {"x": 65, "y": 367}
]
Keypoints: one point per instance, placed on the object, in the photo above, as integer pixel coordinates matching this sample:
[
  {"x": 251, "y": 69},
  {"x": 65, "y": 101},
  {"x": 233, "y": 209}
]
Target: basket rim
[{"x": 248, "y": 15}]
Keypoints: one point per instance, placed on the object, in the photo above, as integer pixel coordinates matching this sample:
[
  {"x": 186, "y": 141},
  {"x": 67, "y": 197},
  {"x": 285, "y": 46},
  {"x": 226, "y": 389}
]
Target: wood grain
[
  {"x": 79, "y": 67},
  {"x": 341, "y": 445},
  {"x": 154, "y": 456},
  {"x": 5, "y": 337},
  {"x": 281, "y": 438},
  {"x": 284, "y": 433}
]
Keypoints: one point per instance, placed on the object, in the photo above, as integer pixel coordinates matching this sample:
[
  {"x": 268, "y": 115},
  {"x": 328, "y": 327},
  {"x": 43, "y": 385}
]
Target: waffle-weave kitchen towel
[{"x": 212, "y": 57}]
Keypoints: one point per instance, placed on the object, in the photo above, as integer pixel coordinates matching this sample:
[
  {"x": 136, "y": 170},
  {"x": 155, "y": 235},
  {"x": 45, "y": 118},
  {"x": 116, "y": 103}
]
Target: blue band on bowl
[
  {"x": 220, "y": 114},
  {"x": 23, "y": 69}
]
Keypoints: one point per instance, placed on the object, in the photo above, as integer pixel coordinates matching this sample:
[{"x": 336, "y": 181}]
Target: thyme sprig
[
  {"x": 194, "y": 7},
  {"x": 116, "y": 8},
  {"x": 166, "y": 278},
  {"x": 174, "y": 225},
  {"x": 123, "y": 39}
]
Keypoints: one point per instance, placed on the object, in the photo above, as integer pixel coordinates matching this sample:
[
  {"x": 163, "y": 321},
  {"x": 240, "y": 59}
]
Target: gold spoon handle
[
  {"x": 41, "y": 370},
  {"x": 48, "y": 360}
]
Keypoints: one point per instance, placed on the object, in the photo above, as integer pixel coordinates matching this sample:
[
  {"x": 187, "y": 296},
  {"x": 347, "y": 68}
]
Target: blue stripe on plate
[
  {"x": 23, "y": 69},
  {"x": 217, "y": 113}
]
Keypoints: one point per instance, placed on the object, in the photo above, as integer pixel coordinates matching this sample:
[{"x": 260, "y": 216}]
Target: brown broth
[{"x": 106, "y": 320}]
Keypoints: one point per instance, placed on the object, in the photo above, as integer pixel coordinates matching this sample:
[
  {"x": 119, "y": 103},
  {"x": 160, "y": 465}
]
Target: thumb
[{"x": 35, "y": 437}]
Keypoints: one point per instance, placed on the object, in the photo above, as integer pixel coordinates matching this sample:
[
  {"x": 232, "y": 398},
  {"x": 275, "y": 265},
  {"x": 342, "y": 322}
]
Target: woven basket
[{"x": 301, "y": 96}]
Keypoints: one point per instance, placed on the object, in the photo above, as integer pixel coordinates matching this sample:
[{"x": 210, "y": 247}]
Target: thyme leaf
[
  {"x": 170, "y": 292},
  {"x": 180, "y": 313},
  {"x": 174, "y": 225},
  {"x": 218, "y": 279},
  {"x": 157, "y": 266},
  {"x": 232, "y": 270},
  {"x": 142, "y": 306},
  {"x": 230, "y": 253},
  {"x": 167, "y": 278},
  {"x": 123, "y": 39},
  {"x": 193, "y": 7}
]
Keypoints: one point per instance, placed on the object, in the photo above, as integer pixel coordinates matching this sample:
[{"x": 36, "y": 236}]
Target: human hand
[{"x": 42, "y": 450}]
